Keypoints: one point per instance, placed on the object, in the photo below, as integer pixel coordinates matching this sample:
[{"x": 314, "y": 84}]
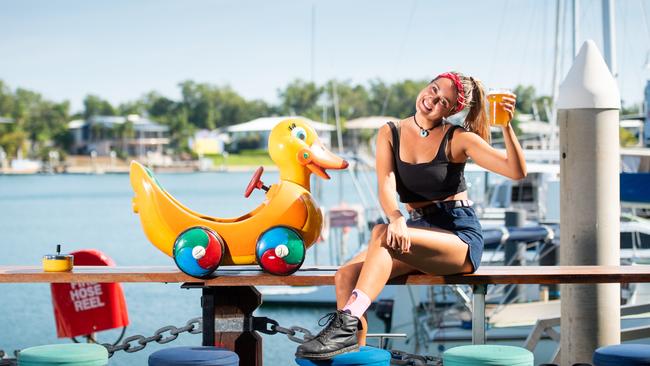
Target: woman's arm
[
  {"x": 512, "y": 164},
  {"x": 397, "y": 233},
  {"x": 384, "y": 166}
]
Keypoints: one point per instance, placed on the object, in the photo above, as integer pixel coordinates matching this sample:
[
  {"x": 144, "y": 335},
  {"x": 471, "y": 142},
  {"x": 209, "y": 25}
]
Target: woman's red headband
[{"x": 459, "y": 86}]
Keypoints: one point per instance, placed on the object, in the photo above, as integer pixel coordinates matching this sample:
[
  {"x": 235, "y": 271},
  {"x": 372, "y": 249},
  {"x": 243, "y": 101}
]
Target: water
[{"x": 94, "y": 211}]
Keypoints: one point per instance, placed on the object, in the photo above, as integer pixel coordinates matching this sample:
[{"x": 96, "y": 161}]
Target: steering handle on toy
[{"x": 255, "y": 182}]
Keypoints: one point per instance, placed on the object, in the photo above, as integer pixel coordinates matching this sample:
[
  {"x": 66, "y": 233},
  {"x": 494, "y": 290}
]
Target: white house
[
  {"x": 103, "y": 134},
  {"x": 263, "y": 126}
]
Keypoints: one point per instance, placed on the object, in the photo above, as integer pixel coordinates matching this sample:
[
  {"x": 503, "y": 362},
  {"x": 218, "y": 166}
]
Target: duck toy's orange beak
[{"x": 317, "y": 158}]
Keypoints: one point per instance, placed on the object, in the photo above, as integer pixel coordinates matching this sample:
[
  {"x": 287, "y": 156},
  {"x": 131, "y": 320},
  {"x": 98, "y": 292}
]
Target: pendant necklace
[{"x": 424, "y": 132}]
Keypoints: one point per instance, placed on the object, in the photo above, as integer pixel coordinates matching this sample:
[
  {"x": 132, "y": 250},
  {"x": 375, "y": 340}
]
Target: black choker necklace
[{"x": 424, "y": 132}]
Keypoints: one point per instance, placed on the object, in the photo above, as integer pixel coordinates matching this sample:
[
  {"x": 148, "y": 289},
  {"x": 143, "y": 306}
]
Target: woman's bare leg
[
  {"x": 347, "y": 276},
  {"x": 433, "y": 251},
  {"x": 345, "y": 279}
]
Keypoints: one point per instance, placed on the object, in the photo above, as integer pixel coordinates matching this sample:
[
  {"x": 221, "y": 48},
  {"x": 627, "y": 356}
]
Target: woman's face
[{"x": 437, "y": 99}]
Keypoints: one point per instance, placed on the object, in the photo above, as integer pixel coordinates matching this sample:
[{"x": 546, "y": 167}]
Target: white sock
[{"x": 358, "y": 303}]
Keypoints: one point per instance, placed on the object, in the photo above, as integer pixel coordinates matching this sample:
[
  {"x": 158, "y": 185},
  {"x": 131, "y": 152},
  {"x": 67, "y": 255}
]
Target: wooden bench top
[{"x": 314, "y": 276}]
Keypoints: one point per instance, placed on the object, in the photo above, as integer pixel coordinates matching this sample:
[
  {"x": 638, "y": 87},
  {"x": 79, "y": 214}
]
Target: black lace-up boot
[{"x": 339, "y": 336}]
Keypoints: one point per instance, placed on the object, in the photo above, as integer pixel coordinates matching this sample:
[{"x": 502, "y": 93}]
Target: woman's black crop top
[{"x": 430, "y": 181}]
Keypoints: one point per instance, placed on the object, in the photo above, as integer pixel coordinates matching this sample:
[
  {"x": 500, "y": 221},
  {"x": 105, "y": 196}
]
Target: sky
[{"x": 122, "y": 49}]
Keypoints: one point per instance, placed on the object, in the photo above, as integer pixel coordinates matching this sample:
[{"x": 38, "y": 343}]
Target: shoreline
[
  {"x": 83, "y": 165},
  {"x": 99, "y": 170}
]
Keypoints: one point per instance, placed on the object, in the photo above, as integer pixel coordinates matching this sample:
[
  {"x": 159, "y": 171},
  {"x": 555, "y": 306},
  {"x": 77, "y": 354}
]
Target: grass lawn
[{"x": 246, "y": 157}]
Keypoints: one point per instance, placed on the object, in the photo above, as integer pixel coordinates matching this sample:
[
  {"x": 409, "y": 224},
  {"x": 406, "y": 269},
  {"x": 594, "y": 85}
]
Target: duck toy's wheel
[
  {"x": 280, "y": 250},
  {"x": 198, "y": 251}
]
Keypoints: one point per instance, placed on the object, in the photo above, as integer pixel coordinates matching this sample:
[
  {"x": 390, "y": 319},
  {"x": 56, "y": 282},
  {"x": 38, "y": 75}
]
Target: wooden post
[
  {"x": 588, "y": 115},
  {"x": 239, "y": 303},
  {"x": 227, "y": 321}
]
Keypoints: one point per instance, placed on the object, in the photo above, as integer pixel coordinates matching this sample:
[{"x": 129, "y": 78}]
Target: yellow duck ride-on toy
[{"x": 274, "y": 235}]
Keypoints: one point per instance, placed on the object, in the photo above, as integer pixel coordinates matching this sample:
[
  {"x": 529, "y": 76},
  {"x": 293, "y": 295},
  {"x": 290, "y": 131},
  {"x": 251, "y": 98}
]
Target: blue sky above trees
[{"x": 121, "y": 49}]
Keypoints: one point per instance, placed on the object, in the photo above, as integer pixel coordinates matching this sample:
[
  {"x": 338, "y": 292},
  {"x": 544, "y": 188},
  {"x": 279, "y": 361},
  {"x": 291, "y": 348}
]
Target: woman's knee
[
  {"x": 347, "y": 274},
  {"x": 379, "y": 231},
  {"x": 378, "y": 235}
]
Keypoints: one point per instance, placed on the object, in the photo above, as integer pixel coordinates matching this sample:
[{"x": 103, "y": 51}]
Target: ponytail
[{"x": 477, "y": 119}]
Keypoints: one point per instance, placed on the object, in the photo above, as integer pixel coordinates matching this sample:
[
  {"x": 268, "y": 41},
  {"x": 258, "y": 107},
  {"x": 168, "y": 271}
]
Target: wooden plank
[{"x": 314, "y": 276}]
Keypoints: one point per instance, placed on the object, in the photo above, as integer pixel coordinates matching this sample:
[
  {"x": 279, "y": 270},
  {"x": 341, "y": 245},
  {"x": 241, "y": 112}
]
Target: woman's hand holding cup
[{"x": 501, "y": 106}]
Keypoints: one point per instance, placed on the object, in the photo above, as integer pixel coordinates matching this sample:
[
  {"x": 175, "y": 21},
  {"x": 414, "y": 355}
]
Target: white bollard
[{"x": 588, "y": 118}]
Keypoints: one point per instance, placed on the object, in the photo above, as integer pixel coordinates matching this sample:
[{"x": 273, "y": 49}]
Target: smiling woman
[{"x": 422, "y": 159}]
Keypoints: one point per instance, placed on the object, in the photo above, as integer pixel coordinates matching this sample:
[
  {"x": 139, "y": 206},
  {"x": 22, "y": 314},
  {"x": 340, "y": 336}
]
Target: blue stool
[
  {"x": 487, "y": 355},
  {"x": 190, "y": 356},
  {"x": 622, "y": 354},
  {"x": 367, "y": 356},
  {"x": 69, "y": 354}
]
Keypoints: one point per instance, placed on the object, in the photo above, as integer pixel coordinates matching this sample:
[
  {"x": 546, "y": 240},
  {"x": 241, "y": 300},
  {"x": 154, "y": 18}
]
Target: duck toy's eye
[{"x": 299, "y": 132}]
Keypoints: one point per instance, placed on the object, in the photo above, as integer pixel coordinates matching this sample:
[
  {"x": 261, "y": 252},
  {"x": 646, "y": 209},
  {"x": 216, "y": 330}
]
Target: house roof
[
  {"x": 371, "y": 122},
  {"x": 267, "y": 124},
  {"x": 535, "y": 127},
  {"x": 631, "y": 123},
  {"x": 139, "y": 123}
]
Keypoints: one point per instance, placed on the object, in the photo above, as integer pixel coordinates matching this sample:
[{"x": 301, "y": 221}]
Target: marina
[{"x": 203, "y": 224}]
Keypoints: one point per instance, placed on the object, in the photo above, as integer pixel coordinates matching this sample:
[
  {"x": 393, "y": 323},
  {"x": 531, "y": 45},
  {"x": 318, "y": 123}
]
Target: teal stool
[
  {"x": 366, "y": 356},
  {"x": 487, "y": 355},
  {"x": 71, "y": 354}
]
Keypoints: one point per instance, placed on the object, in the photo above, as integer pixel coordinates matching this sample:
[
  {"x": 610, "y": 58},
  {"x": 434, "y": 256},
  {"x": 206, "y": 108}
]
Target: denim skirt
[{"x": 462, "y": 221}]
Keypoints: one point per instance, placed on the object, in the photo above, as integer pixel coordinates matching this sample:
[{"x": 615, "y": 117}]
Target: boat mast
[
  {"x": 576, "y": 26},
  {"x": 313, "y": 32},
  {"x": 609, "y": 36},
  {"x": 556, "y": 71}
]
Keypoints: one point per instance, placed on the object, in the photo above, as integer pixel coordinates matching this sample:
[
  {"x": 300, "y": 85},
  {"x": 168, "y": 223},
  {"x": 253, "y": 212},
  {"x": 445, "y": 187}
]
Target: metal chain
[
  {"x": 163, "y": 335},
  {"x": 408, "y": 359},
  {"x": 270, "y": 326},
  {"x": 7, "y": 361},
  {"x": 169, "y": 333},
  {"x": 292, "y": 331}
]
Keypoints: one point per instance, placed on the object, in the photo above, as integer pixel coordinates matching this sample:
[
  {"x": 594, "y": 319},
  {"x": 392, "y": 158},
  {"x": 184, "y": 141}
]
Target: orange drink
[{"x": 498, "y": 114}]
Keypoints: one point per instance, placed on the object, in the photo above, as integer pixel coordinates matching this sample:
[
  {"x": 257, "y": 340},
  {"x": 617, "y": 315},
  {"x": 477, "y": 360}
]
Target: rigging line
[
  {"x": 398, "y": 60},
  {"x": 498, "y": 40},
  {"x": 588, "y": 23},
  {"x": 531, "y": 24},
  {"x": 645, "y": 20},
  {"x": 585, "y": 8},
  {"x": 544, "y": 47},
  {"x": 625, "y": 51},
  {"x": 563, "y": 41}
]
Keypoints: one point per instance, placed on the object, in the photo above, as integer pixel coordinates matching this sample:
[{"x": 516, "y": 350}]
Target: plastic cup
[{"x": 498, "y": 115}]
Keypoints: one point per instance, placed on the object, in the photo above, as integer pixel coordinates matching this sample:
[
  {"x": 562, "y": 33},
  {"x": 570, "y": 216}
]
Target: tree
[
  {"x": 35, "y": 120},
  {"x": 200, "y": 104},
  {"x": 95, "y": 106},
  {"x": 525, "y": 98},
  {"x": 633, "y": 109},
  {"x": 6, "y": 100},
  {"x": 401, "y": 98},
  {"x": 136, "y": 107},
  {"x": 12, "y": 141},
  {"x": 301, "y": 98},
  {"x": 353, "y": 99}
]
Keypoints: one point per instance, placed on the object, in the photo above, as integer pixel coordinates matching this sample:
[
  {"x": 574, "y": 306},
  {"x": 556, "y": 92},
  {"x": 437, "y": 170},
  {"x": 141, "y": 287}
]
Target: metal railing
[{"x": 547, "y": 327}]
